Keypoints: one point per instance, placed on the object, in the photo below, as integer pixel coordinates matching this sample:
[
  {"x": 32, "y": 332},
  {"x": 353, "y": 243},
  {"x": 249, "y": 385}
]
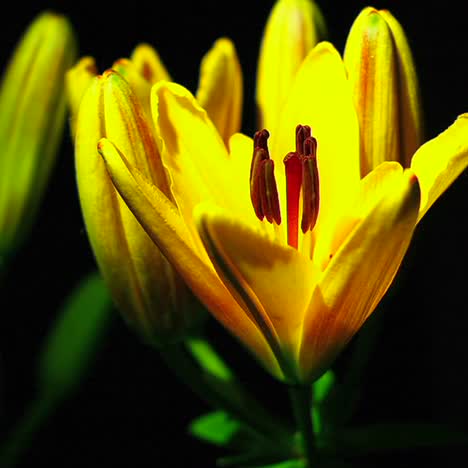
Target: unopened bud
[
  {"x": 32, "y": 117},
  {"x": 293, "y": 28},
  {"x": 384, "y": 83}
]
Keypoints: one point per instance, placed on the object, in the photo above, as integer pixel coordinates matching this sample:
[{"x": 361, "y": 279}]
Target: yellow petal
[
  {"x": 361, "y": 271},
  {"x": 440, "y": 161},
  {"x": 292, "y": 29},
  {"x": 194, "y": 153},
  {"x": 220, "y": 90},
  {"x": 240, "y": 154},
  {"x": 167, "y": 230},
  {"x": 321, "y": 97},
  {"x": 385, "y": 89},
  {"x": 272, "y": 281},
  {"x": 140, "y": 86},
  {"x": 129, "y": 129},
  {"x": 376, "y": 182},
  {"x": 148, "y": 64},
  {"x": 77, "y": 80}
]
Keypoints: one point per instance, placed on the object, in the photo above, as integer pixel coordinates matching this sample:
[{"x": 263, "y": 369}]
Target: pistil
[{"x": 293, "y": 168}]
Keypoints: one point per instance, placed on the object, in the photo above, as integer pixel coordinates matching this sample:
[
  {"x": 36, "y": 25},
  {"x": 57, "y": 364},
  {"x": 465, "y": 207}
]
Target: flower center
[{"x": 302, "y": 180}]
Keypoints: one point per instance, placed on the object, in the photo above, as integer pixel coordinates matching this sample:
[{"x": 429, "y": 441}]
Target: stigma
[{"x": 302, "y": 183}]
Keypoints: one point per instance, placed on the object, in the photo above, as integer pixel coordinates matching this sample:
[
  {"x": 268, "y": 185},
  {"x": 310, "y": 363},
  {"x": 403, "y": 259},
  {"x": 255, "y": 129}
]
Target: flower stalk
[{"x": 300, "y": 396}]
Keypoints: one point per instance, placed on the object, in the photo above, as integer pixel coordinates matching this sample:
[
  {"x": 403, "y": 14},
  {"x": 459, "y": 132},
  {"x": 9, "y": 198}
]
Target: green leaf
[
  {"x": 209, "y": 359},
  {"x": 398, "y": 436},
  {"x": 72, "y": 343},
  {"x": 217, "y": 428}
]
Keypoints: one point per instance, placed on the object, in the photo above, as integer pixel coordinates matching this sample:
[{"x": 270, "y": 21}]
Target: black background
[{"x": 130, "y": 411}]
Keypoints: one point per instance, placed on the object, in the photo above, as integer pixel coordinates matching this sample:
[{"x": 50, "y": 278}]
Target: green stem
[
  {"x": 301, "y": 396},
  {"x": 20, "y": 437}
]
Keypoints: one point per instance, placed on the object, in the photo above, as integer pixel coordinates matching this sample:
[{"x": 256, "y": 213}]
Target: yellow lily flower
[
  {"x": 220, "y": 89},
  {"x": 32, "y": 117},
  {"x": 148, "y": 292},
  {"x": 295, "y": 261},
  {"x": 295, "y": 296},
  {"x": 385, "y": 90}
]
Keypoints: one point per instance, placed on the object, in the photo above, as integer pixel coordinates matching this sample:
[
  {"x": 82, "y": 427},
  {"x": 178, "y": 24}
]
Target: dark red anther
[
  {"x": 269, "y": 192},
  {"x": 302, "y": 133},
  {"x": 261, "y": 139},
  {"x": 260, "y": 143},
  {"x": 310, "y": 191},
  {"x": 301, "y": 177},
  {"x": 310, "y": 146},
  {"x": 259, "y": 156},
  {"x": 263, "y": 190},
  {"x": 293, "y": 168}
]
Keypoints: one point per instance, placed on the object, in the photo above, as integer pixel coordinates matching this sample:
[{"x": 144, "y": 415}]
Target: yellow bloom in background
[
  {"x": 293, "y": 28},
  {"x": 148, "y": 292},
  {"x": 32, "y": 117},
  {"x": 220, "y": 89}
]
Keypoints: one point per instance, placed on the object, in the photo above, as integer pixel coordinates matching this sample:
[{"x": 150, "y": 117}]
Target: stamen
[
  {"x": 293, "y": 168},
  {"x": 302, "y": 133},
  {"x": 263, "y": 190},
  {"x": 310, "y": 192},
  {"x": 259, "y": 155},
  {"x": 269, "y": 192},
  {"x": 301, "y": 176},
  {"x": 261, "y": 139},
  {"x": 310, "y": 146}
]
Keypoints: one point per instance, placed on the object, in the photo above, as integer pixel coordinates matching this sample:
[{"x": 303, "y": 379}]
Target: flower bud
[
  {"x": 383, "y": 79},
  {"x": 220, "y": 89},
  {"x": 141, "y": 71},
  {"x": 146, "y": 289},
  {"x": 293, "y": 28},
  {"x": 148, "y": 64},
  {"x": 32, "y": 117}
]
